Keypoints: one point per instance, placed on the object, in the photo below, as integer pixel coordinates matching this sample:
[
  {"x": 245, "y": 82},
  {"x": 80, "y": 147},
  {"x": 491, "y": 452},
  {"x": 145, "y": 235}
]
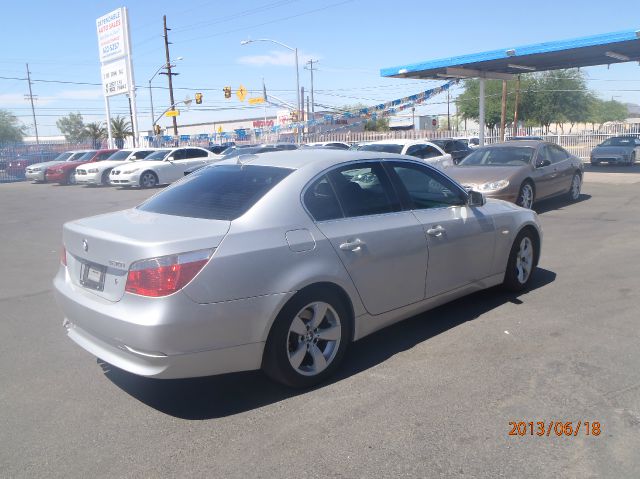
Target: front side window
[
  {"x": 196, "y": 153},
  {"x": 364, "y": 189},
  {"x": 425, "y": 188},
  {"x": 222, "y": 192},
  {"x": 320, "y": 200},
  {"x": 120, "y": 155}
]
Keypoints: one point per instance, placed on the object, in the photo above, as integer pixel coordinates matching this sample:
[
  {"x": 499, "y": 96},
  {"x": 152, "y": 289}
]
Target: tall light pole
[
  {"x": 295, "y": 50},
  {"x": 163, "y": 66}
]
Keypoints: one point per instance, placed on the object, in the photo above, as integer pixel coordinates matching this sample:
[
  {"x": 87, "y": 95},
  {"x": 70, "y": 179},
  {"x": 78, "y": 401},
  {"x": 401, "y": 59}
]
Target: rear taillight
[
  {"x": 166, "y": 274},
  {"x": 63, "y": 256}
]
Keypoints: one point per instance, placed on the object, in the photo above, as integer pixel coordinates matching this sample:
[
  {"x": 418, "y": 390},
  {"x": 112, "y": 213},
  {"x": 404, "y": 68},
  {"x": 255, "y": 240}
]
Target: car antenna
[{"x": 242, "y": 159}]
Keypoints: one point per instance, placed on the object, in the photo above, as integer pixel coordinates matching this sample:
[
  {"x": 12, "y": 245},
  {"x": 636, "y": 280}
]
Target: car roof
[
  {"x": 530, "y": 143},
  {"x": 318, "y": 158},
  {"x": 392, "y": 141}
]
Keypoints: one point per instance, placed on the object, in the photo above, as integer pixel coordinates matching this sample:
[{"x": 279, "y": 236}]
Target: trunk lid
[{"x": 100, "y": 249}]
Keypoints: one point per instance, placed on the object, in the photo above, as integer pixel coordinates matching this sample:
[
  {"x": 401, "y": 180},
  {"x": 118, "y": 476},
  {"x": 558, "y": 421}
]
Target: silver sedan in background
[{"x": 279, "y": 261}]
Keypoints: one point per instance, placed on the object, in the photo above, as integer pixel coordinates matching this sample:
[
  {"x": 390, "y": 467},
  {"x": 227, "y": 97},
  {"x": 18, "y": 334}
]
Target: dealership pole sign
[{"x": 114, "y": 48}]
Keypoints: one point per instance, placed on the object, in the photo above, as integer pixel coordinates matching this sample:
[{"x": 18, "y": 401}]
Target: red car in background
[{"x": 65, "y": 173}]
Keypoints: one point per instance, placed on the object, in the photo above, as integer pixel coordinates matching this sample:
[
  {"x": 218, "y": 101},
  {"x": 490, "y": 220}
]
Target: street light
[
  {"x": 164, "y": 65},
  {"x": 295, "y": 50}
]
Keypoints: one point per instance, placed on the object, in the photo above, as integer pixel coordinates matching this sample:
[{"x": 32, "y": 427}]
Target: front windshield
[
  {"x": 88, "y": 155},
  {"x": 76, "y": 156},
  {"x": 619, "y": 142},
  {"x": 119, "y": 155},
  {"x": 499, "y": 156},
  {"x": 382, "y": 147},
  {"x": 157, "y": 155},
  {"x": 63, "y": 156}
]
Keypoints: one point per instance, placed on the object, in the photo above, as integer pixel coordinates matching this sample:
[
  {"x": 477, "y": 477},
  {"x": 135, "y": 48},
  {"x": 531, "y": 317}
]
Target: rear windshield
[
  {"x": 221, "y": 192},
  {"x": 382, "y": 148}
]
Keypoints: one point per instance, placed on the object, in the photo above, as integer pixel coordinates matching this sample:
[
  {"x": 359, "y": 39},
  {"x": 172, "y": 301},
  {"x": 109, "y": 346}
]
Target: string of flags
[{"x": 365, "y": 114}]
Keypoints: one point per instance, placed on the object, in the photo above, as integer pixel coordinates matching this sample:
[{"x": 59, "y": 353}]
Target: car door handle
[
  {"x": 354, "y": 245},
  {"x": 436, "y": 231}
]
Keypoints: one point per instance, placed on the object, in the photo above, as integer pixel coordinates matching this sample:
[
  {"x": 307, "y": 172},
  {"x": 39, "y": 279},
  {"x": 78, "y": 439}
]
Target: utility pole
[
  {"x": 33, "y": 110},
  {"x": 169, "y": 74},
  {"x": 131, "y": 118},
  {"x": 515, "y": 110},
  {"x": 310, "y": 63},
  {"x": 503, "y": 110},
  {"x": 448, "y": 113}
]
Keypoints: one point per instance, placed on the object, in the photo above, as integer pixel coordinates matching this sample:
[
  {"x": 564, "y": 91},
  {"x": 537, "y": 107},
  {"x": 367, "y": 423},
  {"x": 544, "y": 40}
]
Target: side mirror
[
  {"x": 476, "y": 198},
  {"x": 543, "y": 163},
  {"x": 170, "y": 159}
]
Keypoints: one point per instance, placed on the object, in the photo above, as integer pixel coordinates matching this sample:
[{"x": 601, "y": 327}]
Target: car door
[
  {"x": 382, "y": 247},
  {"x": 562, "y": 169},
  {"x": 173, "y": 167},
  {"x": 543, "y": 174},
  {"x": 196, "y": 157},
  {"x": 460, "y": 238}
]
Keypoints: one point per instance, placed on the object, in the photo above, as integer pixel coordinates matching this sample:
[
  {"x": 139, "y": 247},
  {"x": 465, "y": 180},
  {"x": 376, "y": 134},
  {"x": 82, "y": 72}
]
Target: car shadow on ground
[
  {"x": 558, "y": 203},
  {"x": 229, "y": 394}
]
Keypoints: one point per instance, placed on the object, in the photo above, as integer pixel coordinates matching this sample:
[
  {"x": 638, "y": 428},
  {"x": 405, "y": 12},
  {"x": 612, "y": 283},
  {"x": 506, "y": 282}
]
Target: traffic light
[
  {"x": 198, "y": 98},
  {"x": 156, "y": 129},
  {"x": 294, "y": 115},
  {"x": 227, "y": 92}
]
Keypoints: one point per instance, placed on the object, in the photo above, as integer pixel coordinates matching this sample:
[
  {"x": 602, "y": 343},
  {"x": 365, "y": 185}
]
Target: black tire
[
  {"x": 574, "y": 194},
  {"x": 524, "y": 197},
  {"x": 71, "y": 178},
  {"x": 104, "y": 179},
  {"x": 632, "y": 159},
  {"x": 148, "y": 179},
  {"x": 513, "y": 278},
  {"x": 281, "y": 341}
]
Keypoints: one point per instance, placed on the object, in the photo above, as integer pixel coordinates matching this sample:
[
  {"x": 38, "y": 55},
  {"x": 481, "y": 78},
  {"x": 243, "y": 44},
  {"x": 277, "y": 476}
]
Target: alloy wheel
[
  {"x": 524, "y": 260},
  {"x": 525, "y": 199},
  {"x": 314, "y": 338},
  {"x": 148, "y": 180},
  {"x": 576, "y": 184}
]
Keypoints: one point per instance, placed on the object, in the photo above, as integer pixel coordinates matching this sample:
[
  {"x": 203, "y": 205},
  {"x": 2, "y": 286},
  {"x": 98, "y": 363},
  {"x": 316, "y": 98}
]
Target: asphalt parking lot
[{"x": 429, "y": 397}]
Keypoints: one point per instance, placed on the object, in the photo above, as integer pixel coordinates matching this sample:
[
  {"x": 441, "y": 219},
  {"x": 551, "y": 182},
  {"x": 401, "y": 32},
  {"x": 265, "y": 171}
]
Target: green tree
[
  {"x": 545, "y": 98},
  {"x": 96, "y": 132},
  {"x": 379, "y": 124},
  {"x": 72, "y": 127},
  {"x": 120, "y": 129},
  {"x": 10, "y": 130},
  {"x": 601, "y": 111}
]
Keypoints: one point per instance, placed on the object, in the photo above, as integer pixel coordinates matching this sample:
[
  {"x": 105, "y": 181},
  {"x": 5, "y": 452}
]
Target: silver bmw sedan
[{"x": 280, "y": 261}]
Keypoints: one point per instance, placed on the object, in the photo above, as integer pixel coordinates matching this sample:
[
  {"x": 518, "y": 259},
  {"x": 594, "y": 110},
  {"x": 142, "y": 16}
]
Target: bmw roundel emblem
[{"x": 85, "y": 245}]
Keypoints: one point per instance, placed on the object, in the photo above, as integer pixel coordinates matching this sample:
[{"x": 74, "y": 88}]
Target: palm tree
[
  {"x": 120, "y": 129},
  {"x": 96, "y": 132}
]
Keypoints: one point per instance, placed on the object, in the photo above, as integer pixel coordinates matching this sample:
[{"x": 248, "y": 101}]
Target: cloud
[{"x": 276, "y": 58}]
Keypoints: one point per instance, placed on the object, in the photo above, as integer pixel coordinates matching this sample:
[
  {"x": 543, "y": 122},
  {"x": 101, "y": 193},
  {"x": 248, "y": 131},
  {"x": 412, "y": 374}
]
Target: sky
[{"x": 351, "y": 40}]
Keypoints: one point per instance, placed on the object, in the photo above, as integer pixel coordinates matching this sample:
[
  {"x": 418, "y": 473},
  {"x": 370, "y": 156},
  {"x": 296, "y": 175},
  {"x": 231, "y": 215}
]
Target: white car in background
[
  {"x": 425, "y": 150},
  {"x": 37, "y": 171},
  {"x": 161, "y": 167},
  {"x": 98, "y": 173}
]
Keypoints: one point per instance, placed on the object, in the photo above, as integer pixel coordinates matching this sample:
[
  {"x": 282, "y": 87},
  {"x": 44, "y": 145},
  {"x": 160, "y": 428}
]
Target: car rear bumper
[{"x": 170, "y": 337}]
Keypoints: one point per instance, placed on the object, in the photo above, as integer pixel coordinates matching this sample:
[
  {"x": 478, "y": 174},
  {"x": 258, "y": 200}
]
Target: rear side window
[
  {"x": 223, "y": 192},
  {"x": 364, "y": 189},
  {"x": 321, "y": 201},
  {"x": 196, "y": 153}
]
